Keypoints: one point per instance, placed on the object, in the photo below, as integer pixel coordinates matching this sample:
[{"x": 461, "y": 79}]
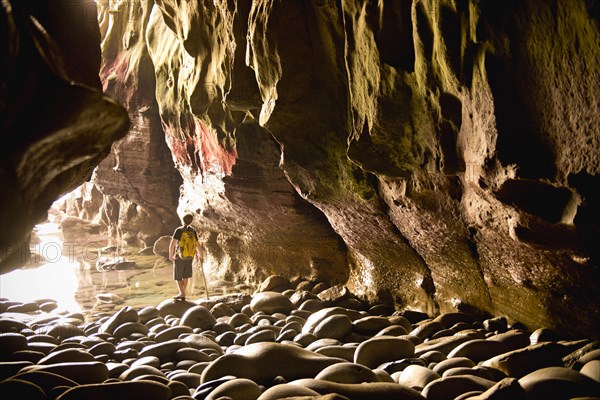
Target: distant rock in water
[
  {"x": 114, "y": 264},
  {"x": 109, "y": 298}
]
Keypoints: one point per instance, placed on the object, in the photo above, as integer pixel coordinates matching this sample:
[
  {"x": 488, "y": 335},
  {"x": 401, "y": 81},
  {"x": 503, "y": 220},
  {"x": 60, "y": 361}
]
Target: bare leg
[
  {"x": 181, "y": 286},
  {"x": 185, "y": 284}
]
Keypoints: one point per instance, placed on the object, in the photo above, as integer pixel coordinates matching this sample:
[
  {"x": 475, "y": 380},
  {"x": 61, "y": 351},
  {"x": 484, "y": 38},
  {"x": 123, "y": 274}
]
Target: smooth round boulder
[
  {"x": 190, "y": 379},
  {"x": 221, "y": 310},
  {"x": 426, "y": 329},
  {"x": 80, "y": 372},
  {"x": 22, "y": 389},
  {"x": 592, "y": 369},
  {"x": 498, "y": 324},
  {"x": 45, "y": 380},
  {"x": 198, "y": 317},
  {"x": 380, "y": 349},
  {"x": 271, "y": 303},
  {"x": 66, "y": 355},
  {"x": 370, "y": 325},
  {"x": 311, "y": 305},
  {"x": 455, "y": 362},
  {"x": 10, "y": 368},
  {"x": 558, "y": 383},
  {"x": 11, "y": 342},
  {"x": 416, "y": 377},
  {"x": 392, "y": 330},
  {"x": 362, "y": 391},
  {"x": 263, "y": 335},
  {"x": 174, "y": 307},
  {"x": 142, "y": 389},
  {"x": 518, "y": 363},
  {"x": 479, "y": 349},
  {"x": 507, "y": 388},
  {"x": 515, "y": 338},
  {"x": 262, "y": 362},
  {"x": 236, "y": 389},
  {"x": 26, "y": 355},
  {"x": 165, "y": 351},
  {"x": 202, "y": 342},
  {"x": 301, "y": 296},
  {"x": 339, "y": 351},
  {"x": 451, "y": 387},
  {"x": 275, "y": 283},
  {"x": 451, "y": 318},
  {"x": 147, "y": 360},
  {"x": 443, "y": 344},
  {"x": 347, "y": 373},
  {"x": 128, "y": 328},
  {"x": 106, "y": 348},
  {"x": 147, "y": 314},
  {"x": 286, "y": 390},
  {"x": 335, "y": 327},
  {"x": 125, "y": 314},
  {"x": 62, "y": 331},
  {"x": 316, "y": 318},
  {"x": 319, "y": 343},
  {"x": 140, "y": 370},
  {"x": 172, "y": 333}
]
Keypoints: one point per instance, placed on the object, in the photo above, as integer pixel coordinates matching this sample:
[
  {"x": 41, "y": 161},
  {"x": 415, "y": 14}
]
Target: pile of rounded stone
[{"x": 288, "y": 340}]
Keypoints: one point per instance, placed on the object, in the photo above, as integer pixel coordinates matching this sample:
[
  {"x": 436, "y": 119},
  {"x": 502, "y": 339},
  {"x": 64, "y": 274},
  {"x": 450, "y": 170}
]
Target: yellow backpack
[{"x": 187, "y": 243}]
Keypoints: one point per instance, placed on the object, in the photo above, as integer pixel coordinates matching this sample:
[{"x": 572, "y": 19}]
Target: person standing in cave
[{"x": 183, "y": 248}]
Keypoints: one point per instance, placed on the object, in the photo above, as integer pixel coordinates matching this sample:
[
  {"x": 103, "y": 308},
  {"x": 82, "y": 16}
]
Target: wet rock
[
  {"x": 479, "y": 350},
  {"x": 334, "y": 326},
  {"x": 126, "y": 314},
  {"x": 378, "y": 350},
  {"x": 518, "y": 363},
  {"x": 23, "y": 388},
  {"x": 161, "y": 246},
  {"x": 255, "y": 362},
  {"x": 362, "y": 391},
  {"x": 558, "y": 383},
  {"x": 236, "y": 389},
  {"x": 120, "y": 391},
  {"x": 347, "y": 373},
  {"x": 287, "y": 391},
  {"x": 275, "y": 283},
  {"x": 416, "y": 377},
  {"x": 80, "y": 372},
  {"x": 271, "y": 302},
  {"x": 451, "y": 387}
]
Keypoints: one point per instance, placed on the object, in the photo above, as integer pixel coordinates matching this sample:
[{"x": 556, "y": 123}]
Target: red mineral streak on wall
[
  {"x": 199, "y": 149},
  {"x": 214, "y": 157},
  {"x": 119, "y": 71}
]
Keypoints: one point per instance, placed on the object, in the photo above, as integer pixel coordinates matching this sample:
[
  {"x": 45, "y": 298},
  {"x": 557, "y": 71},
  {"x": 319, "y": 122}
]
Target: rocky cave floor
[{"x": 287, "y": 339}]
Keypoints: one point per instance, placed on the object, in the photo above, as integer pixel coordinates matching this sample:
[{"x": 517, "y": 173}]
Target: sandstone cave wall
[
  {"x": 133, "y": 193},
  {"x": 56, "y": 125},
  {"x": 452, "y": 146},
  {"x": 440, "y": 155}
]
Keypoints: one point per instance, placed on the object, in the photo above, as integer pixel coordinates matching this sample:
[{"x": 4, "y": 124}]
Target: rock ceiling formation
[{"x": 439, "y": 155}]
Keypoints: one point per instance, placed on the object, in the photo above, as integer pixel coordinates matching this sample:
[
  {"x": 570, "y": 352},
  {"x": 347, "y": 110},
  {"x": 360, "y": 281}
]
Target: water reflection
[{"x": 65, "y": 271}]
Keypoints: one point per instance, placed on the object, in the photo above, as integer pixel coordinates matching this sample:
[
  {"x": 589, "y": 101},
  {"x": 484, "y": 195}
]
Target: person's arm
[{"x": 172, "y": 247}]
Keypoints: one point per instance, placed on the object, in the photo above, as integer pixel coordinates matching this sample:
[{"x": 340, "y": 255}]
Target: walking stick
[{"x": 204, "y": 276}]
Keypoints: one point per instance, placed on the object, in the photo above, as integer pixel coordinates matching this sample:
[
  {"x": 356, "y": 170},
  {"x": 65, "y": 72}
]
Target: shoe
[{"x": 179, "y": 297}]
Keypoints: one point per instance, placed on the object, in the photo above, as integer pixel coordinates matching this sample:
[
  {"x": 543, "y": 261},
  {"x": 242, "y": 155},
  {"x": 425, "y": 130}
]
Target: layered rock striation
[
  {"x": 438, "y": 155},
  {"x": 452, "y": 146}
]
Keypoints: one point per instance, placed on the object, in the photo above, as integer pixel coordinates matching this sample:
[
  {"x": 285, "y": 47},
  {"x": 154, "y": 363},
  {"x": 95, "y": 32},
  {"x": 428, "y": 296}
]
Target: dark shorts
[{"x": 182, "y": 268}]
